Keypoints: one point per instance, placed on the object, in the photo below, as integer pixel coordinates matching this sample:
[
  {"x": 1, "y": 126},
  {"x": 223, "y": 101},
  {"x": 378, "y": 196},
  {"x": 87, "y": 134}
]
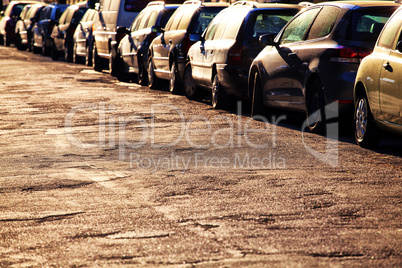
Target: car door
[
  {"x": 163, "y": 46},
  {"x": 283, "y": 62},
  {"x": 390, "y": 82},
  {"x": 59, "y": 29},
  {"x": 309, "y": 52},
  {"x": 135, "y": 38}
]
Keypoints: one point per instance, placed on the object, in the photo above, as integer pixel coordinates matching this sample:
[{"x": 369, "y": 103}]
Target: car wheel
[
  {"x": 45, "y": 50},
  {"x": 142, "y": 73},
  {"x": 112, "y": 63},
  {"x": 76, "y": 58},
  {"x": 68, "y": 52},
  {"x": 88, "y": 55},
  {"x": 219, "y": 96},
  {"x": 54, "y": 53},
  {"x": 18, "y": 43},
  {"x": 35, "y": 50},
  {"x": 153, "y": 81},
  {"x": 367, "y": 134},
  {"x": 174, "y": 85},
  {"x": 189, "y": 85},
  {"x": 257, "y": 100},
  {"x": 316, "y": 117},
  {"x": 7, "y": 41},
  {"x": 1, "y": 40},
  {"x": 118, "y": 69},
  {"x": 96, "y": 60}
]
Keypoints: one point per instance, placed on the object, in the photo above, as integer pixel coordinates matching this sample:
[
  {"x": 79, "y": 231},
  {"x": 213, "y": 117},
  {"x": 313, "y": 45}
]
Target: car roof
[
  {"x": 253, "y": 4},
  {"x": 190, "y": 4},
  {"x": 349, "y": 4}
]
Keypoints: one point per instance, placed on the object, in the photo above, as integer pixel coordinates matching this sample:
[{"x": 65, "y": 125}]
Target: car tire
[
  {"x": 34, "y": 49},
  {"x": 316, "y": 117},
  {"x": 68, "y": 52},
  {"x": 112, "y": 63},
  {"x": 18, "y": 43},
  {"x": 119, "y": 70},
  {"x": 367, "y": 134},
  {"x": 88, "y": 55},
  {"x": 257, "y": 101},
  {"x": 153, "y": 81},
  {"x": 1, "y": 40},
  {"x": 54, "y": 53},
  {"x": 45, "y": 49},
  {"x": 142, "y": 73},
  {"x": 174, "y": 84},
  {"x": 189, "y": 86},
  {"x": 96, "y": 60},
  {"x": 7, "y": 42},
  {"x": 220, "y": 100},
  {"x": 76, "y": 58}
]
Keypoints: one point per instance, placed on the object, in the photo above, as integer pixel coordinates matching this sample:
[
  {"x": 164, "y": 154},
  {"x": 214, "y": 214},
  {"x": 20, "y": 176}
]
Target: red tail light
[
  {"x": 187, "y": 43},
  {"x": 234, "y": 55},
  {"x": 349, "y": 54}
]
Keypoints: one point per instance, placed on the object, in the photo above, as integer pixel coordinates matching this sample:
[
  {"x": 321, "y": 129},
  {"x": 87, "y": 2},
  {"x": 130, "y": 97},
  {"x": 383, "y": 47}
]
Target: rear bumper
[{"x": 232, "y": 79}]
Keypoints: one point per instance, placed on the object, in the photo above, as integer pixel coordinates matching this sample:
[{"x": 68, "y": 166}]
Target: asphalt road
[{"x": 96, "y": 172}]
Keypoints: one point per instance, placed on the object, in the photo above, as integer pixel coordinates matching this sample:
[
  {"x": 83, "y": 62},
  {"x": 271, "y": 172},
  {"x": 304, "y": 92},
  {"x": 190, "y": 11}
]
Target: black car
[
  {"x": 221, "y": 60},
  {"x": 42, "y": 30},
  {"x": 168, "y": 51},
  {"x": 313, "y": 61},
  {"x": 132, "y": 53},
  {"x": 62, "y": 41},
  {"x": 23, "y": 29}
]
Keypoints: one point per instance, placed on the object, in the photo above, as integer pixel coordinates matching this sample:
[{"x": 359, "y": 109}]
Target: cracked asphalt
[{"x": 97, "y": 172}]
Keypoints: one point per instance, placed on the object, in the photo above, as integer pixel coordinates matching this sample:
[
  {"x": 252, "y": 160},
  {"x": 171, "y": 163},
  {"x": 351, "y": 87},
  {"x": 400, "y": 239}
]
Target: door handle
[
  {"x": 387, "y": 67},
  {"x": 212, "y": 51}
]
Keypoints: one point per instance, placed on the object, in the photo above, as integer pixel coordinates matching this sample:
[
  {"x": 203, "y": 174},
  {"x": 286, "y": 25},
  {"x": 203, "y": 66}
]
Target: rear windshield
[
  {"x": 367, "y": 24},
  {"x": 204, "y": 18},
  {"x": 270, "y": 21}
]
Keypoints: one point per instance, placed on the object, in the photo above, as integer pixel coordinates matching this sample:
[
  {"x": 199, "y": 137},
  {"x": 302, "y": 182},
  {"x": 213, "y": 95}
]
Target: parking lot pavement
[{"x": 96, "y": 172}]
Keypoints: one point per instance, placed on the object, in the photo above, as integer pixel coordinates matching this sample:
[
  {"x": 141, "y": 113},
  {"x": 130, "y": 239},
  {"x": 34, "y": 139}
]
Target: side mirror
[
  {"x": 122, "y": 30},
  {"x": 157, "y": 29},
  {"x": 97, "y": 7},
  {"x": 195, "y": 37},
  {"x": 2, "y": 13},
  {"x": 268, "y": 39},
  {"x": 399, "y": 46}
]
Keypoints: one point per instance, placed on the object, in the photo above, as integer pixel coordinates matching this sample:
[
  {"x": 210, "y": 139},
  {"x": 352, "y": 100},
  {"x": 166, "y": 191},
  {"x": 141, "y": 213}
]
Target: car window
[
  {"x": 143, "y": 22},
  {"x": 63, "y": 17},
  {"x": 86, "y": 16},
  {"x": 233, "y": 26},
  {"x": 136, "y": 22},
  {"x": 391, "y": 32},
  {"x": 152, "y": 19},
  {"x": 176, "y": 20},
  {"x": 70, "y": 16},
  {"x": 271, "y": 22},
  {"x": 215, "y": 23},
  {"x": 79, "y": 14},
  {"x": 166, "y": 14},
  {"x": 366, "y": 25},
  {"x": 58, "y": 13},
  {"x": 16, "y": 11},
  {"x": 185, "y": 20},
  {"x": 297, "y": 28},
  {"x": 204, "y": 19},
  {"x": 324, "y": 23}
]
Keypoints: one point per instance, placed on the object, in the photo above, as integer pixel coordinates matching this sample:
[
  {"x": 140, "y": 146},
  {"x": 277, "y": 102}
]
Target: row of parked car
[{"x": 295, "y": 57}]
